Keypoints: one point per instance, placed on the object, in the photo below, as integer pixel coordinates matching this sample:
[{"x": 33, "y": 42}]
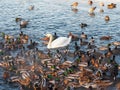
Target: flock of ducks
[
  {"x": 86, "y": 65},
  {"x": 91, "y": 10},
  {"x": 94, "y": 67}
]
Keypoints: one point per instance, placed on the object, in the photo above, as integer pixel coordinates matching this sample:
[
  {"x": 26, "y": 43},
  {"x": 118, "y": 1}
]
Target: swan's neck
[{"x": 50, "y": 41}]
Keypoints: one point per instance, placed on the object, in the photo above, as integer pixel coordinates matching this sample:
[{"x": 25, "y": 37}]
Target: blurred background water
[{"x": 57, "y": 16}]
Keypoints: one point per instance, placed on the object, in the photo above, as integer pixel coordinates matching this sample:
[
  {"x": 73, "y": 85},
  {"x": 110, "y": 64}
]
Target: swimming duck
[
  {"x": 82, "y": 43},
  {"x": 92, "y": 40},
  {"x": 105, "y": 38},
  {"x": 76, "y": 46},
  {"x": 91, "y": 46},
  {"x": 6, "y": 37},
  {"x": 32, "y": 44},
  {"x": 74, "y": 37},
  {"x": 74, "y": 4},
  {"x": 23, "y": 24},
  {"x": 101, "y": 4},
  {"x": 83, "y": 35},
  {"x": 101, "y": 10},
  {"x": 46, "y": 39},
  {"x": 111, "y": 6},
  {"x": 18, "y": 19},
  {"x": 107, "y": 18},
  {"x": 92, "y": 9},
  {"x": 103, "y": 48},
  {"x": 116, "y": 50},
  {"x": 31, "y": 7},
  {"x": 116, "y": 43},
  {"x": 82, "y": 25},
  {"x": 6, "y": 75},
  {"x": 90, "y": 2},
  {"x": 75, "y": 10}
]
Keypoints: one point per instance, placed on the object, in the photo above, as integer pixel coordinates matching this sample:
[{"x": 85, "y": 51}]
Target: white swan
[{"x": 59, "y": 42}]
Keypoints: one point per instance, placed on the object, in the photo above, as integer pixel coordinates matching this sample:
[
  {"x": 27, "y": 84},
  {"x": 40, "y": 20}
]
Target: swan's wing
[{"x": 60, "y": 42}]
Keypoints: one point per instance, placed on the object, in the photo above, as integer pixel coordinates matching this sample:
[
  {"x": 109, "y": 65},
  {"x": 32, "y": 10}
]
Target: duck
[
  {"x": 97, "y": 54},
  {"x": 90, "y": 2},
  {"x": 109, "y": 53},
  {"x": 91, "y": 10},
  {"x": 46, "y": 39},
  {"x": 83, "y": 35},
  {"x": 83, "y": 42},
  {"x": 75, "y": 10},
  {"x": 92, "y": 40},
  {"x": 74, "y": 37},
  {"x": 107, "y": 18},
  {"x": 91, "y": 46},
  {"x": 23, "y": 37},
  {"x": 116, "y": 50},
  {"x": 18, "y": 19},
  {"x": 105, "y": 38},
  {"x": 6, "y": 75},
  {"x": 42, "y": 55},
  {"x": 103, "y": 48},
  {"x": 116, "y": 43},
  {"x": 101, "y": 10},
  {"x": 101, "y": 4},
  {"x": 76, "y": 46},
  {"x": 59, "y": 42},
  {"x": 31, "y": 7},
  {"x": 23, "y": 24},
  {"x": 32, "y": 44},
  {"x": 82, "y": 25},
  {"x": 111, "y": 6},
  {"x": 8, "y": 37},
  {"x": 74, "y": 4},
  {"x": 103, "y": 83}
]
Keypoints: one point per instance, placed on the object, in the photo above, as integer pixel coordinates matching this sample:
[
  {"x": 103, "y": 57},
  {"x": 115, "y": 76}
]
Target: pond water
[{"x": 51, "y": 16}]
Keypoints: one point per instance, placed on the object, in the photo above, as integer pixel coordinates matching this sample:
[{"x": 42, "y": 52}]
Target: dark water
[{"x": 57, "y": 16}]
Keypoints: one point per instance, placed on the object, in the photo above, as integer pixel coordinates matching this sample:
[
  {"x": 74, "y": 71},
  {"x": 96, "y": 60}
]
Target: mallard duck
[
  {"x": 105, "y": 38},
  {"x": 74, "y": 4},
  {"x": 74, "y": 37},
  {"x": 116, "y": 50},
  {"x": 102, "y": 48},
  {"x": 32, "y": 44},
  {"x": 91, "y": 46},
  {"x": 92, "y": 9},
  {"x": 82, "y": 43},
  {"x": 83, "y": 35},
  {"x": 75, "y": 10},
  {"x": 31, "y": 7},
  {"x": 111, "y": 6},
  {"x": 92, "y": 40},
  {"x": 76, "y": 46},
  {"x": 116, "y": 43},
  {"x": 107, "y": 18},
  {"x": 83, "y": 25},
  {"x": 101, "y": 10},
  {"x": 90, "y": 2},
  {"x": 101, "y": 4},
  {"x": 23, "y": 24},
  {"x": 6, "y": 75},
  {"x": 18, "y": 19},
  {"x": 6, "y": 37}
]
